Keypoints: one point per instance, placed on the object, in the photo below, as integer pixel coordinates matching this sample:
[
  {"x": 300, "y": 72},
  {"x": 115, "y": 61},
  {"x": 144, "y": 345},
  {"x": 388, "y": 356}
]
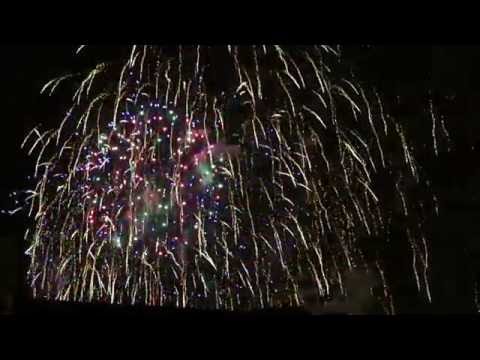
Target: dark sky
[{"x": 451, "y": 72}]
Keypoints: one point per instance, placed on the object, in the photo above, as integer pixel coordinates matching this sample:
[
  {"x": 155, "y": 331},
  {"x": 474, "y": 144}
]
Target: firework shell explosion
[{"x": 220, "y": 177}]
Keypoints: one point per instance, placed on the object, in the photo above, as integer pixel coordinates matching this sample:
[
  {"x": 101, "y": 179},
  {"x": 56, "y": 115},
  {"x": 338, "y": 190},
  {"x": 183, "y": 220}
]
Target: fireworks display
[{"x": 236, "y": 177}]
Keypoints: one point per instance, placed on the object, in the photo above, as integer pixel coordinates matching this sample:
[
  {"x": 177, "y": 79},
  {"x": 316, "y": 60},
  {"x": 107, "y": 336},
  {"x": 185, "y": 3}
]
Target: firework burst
[{"x": 222, "y": 177}]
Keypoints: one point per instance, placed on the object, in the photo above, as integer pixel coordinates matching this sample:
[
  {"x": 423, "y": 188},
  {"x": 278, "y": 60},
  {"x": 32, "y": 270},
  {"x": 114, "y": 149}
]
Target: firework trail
[{"x": 221, "y": 177}]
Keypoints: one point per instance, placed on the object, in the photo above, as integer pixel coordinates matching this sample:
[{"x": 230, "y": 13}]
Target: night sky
[{"x": 404, "y": 75}]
